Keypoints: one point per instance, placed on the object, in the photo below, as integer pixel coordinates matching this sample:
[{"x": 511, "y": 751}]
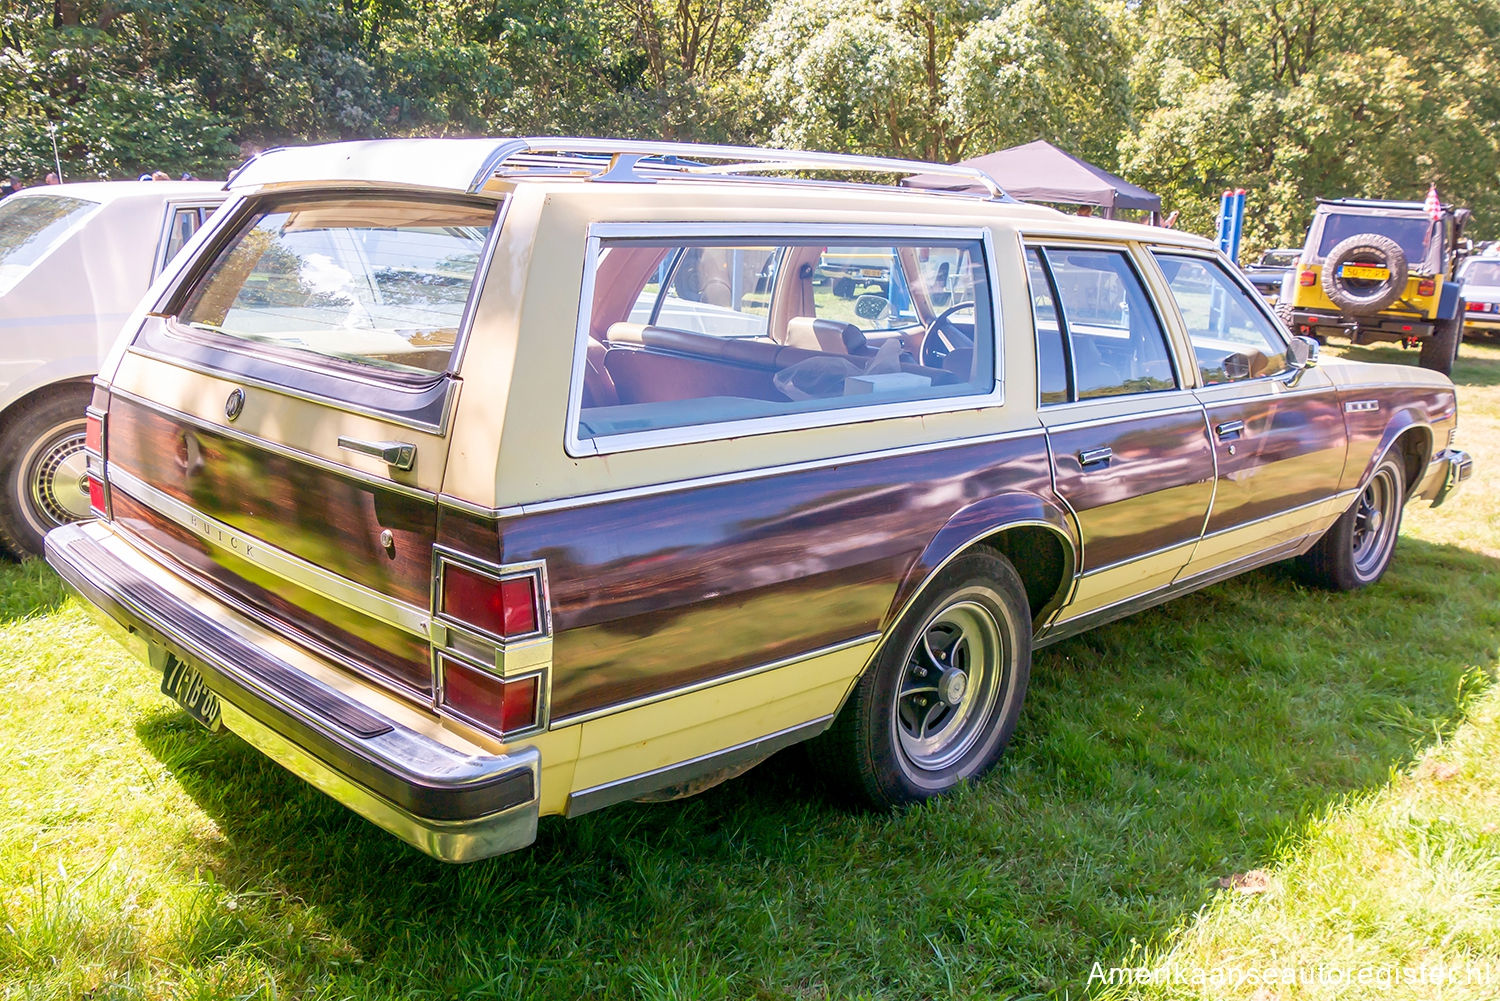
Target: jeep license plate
[
  {"x": 1370, "y": 271},
  {"x": 184, "y": 684}
]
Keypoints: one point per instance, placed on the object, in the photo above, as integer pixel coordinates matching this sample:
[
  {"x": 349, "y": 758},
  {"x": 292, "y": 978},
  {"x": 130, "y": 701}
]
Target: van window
[
  {"x": 30, "y": 226},
  {"x": 185, "y": 223},
  {"x": 380, "y": 283},
  {"x": 694, "y": 334},
  {"x": 1115, "y": 339}
]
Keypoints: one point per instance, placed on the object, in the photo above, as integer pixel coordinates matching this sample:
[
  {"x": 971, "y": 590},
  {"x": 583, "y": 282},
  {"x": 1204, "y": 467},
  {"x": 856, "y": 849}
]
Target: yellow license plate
[{"x": 1364, "y": 271}]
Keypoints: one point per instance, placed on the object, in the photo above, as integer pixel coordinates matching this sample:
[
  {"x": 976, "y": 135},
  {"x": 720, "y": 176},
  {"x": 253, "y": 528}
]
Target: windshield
[
  {"x": 1280, "y": 258},
  {"x": 1414, "y": 233},
  {"x": 30, "y": 227},
  {"x": 1482, "y": 273},
  {"x": 375, "y": 282}
]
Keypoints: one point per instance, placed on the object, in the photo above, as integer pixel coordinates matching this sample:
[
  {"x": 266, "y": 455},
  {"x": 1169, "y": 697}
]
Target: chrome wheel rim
[
  {"x": 1374, "y": 524},
  {"x": 55, "y": 478},
  {"x": 952, "y": 676}
]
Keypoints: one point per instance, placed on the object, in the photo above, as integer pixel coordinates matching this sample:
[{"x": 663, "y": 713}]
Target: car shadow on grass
[{"x": 1153, "y": 757}]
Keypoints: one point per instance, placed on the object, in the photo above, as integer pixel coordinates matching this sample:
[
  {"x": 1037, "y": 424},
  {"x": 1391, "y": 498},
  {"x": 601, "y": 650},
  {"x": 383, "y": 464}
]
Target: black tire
[
  {"x": 1440, "y": 349},
  {"x": 912, "y": 728},
  {"x": 1283, "y": 311},
  {"x": 1354, "y": 295},
  {"x": 1357, "y": 549},
  {"x": 41, "y": 469},
  {"x": 844, "y": 287}
]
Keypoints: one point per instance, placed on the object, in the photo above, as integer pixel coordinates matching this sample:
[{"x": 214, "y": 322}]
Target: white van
[{"x": 74, "y": 260}]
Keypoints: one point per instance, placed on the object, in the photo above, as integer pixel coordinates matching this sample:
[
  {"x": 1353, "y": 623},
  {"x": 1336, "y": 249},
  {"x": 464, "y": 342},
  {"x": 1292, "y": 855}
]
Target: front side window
[
  {"x": 30, "y": 227},
  {"x": 1231, "y": 338},
  {"x": 376, "y": 283},
  {"x": 1115, "y": 340},
  {"x": 692, "y": 334}
]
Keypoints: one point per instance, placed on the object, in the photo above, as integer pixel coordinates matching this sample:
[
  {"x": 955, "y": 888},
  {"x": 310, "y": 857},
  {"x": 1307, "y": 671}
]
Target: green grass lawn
[{"x": 1345, "y": 746}]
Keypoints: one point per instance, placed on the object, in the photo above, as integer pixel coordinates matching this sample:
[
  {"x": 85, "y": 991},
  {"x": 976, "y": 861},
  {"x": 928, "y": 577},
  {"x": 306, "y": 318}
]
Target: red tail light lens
[
  {"x": 1474, "y": 307},
  {"x": 96, "y": 496},
  {"x": 504, "y": 608},
  {"x": 93, "y": 434},
  {"x": 1426, "y": 286},
  {"x": 1307, "y": 279},
  {"x": 486, "y": 699}
]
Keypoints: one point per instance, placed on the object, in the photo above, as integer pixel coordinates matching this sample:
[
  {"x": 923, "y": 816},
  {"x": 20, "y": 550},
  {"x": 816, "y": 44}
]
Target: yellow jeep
[{"x": 1380, "y": 271}]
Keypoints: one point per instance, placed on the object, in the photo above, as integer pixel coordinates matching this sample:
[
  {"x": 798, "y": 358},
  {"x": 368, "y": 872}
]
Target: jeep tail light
[
  {"x": 1426, "y": 286},
  {"x": 1307, "y": 279},
  {"x": 504, "y": 607},
  {"x": 499, "y": 704}
]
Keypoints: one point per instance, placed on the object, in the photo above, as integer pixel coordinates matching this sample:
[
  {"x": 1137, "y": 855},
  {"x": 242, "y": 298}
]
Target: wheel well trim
[
  {"x": 1066, "y": 580},
  {"x": 1401, "y": 424}
]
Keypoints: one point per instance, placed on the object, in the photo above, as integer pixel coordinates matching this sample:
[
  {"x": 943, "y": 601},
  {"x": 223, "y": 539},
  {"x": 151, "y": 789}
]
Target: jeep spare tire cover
[{"x": 1363, "y": 296}]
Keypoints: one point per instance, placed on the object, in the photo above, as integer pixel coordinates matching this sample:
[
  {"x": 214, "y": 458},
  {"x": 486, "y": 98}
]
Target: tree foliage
[{"x": 1290, "y": 99}]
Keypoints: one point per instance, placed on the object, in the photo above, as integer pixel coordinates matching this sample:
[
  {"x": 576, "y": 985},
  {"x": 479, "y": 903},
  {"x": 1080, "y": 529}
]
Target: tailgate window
[{"x": 379, "y": 284}]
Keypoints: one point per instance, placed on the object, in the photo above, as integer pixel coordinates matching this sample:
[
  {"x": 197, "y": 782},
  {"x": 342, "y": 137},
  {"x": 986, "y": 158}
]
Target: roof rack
[{"x": 633, "y": 161}]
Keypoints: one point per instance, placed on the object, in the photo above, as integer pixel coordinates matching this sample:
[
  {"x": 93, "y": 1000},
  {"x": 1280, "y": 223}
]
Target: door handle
[
  {"x": 396, "y": 454},
  {"x": 1229, "y": 429},
  {"x": 1095, "y": 457}
]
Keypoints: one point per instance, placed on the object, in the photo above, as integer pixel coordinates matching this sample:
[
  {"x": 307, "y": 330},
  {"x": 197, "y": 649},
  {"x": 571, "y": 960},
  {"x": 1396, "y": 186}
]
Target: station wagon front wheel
[{"x": 941, "y": 700}]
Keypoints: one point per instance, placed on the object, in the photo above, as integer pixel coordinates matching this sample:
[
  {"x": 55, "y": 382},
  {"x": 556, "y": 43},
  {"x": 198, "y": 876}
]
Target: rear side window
[
  {"x": 185, "y": 223},
  {"x": 1232, "y": 339},
  {"x": 30, "y": 226},
  {"x": 1115, "y": 339},
  {"x": 376, "y": 283},
  {"x": 690, "y": 335}
]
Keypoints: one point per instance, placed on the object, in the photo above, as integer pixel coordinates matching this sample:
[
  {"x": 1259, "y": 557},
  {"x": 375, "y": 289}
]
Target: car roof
[
  {"x": 104, "y": 192},
  {"x": 582, "y": 168}
]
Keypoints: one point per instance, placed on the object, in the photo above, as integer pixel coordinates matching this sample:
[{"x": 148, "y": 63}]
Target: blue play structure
[{"x": 1231, "y": 222}]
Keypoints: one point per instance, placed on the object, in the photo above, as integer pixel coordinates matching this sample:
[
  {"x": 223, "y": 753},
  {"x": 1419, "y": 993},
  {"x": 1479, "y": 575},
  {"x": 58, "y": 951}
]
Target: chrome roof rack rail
[{"x": 643, "y": 161}]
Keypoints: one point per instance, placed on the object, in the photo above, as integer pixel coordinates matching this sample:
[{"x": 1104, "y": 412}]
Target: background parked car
[
  {"x": 1267, "y": 273},
  {"x": 74, "y": 260},
  {"x": 1480, "y": 277}
]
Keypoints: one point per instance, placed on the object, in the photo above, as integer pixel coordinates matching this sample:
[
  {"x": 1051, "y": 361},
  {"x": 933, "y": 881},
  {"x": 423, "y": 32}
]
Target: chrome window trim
[
  {"x": 737, "y": 476},
  {"x": 294, "y": 569},
  {"x": 286, "y": 451},
  {"x": 723, "y": 679},
  {"x": 1134, "y": 415},
  {"x": 577, "y": 447}
]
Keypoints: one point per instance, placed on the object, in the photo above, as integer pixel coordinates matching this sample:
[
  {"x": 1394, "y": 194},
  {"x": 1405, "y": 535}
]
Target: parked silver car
[
  {"x": 74, "y": 260},
  {"x": 1481, "y": 283}
]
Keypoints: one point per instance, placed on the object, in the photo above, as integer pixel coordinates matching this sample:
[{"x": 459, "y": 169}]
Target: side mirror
[
  {"x": 1301, "y": 355},
  {"x": 871, "y": 307}
]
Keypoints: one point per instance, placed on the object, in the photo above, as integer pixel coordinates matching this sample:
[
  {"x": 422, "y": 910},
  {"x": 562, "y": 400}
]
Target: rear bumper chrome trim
[{"x": 454, "y": 806}]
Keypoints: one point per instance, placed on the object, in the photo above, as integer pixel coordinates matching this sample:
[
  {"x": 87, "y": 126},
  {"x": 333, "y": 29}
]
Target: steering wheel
[{"x": 943, "y": 337}]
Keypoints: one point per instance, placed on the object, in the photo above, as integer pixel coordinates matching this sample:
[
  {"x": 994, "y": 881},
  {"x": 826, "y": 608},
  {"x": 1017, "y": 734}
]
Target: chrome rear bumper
[{"x": 454, "y": 806}]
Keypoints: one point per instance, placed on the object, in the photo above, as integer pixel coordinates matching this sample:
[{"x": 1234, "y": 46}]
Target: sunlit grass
[{"x": 1346, "y": 745}]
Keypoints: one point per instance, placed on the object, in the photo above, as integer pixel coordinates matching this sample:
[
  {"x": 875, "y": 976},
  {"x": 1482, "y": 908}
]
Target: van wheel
[
  {"x": 42, "y": 470},
  {"x": 1440, "y": 349},
  {"x": 940, "y": 702},
  {"x": 1357, "y": 549}
]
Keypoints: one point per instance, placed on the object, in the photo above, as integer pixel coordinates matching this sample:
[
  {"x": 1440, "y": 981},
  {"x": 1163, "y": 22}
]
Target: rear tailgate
[{"x": 278, "y": 431}]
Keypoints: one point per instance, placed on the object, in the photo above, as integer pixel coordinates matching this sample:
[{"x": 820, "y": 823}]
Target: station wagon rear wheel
[
  {"x": 42, "y": 470},
  {"x": 1357, "y": 549},
  {"x": 940, "y": 702}
]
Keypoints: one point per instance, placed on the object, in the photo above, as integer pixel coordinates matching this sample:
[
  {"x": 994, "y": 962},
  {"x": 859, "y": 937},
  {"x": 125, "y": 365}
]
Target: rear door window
[
  {"x": 379, "y": 285},
  {"x": 692, "y": 336}
]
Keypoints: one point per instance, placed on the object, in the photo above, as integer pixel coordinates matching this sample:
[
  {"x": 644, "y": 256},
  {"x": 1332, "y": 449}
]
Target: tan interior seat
[{"x": 830, "y": 336}]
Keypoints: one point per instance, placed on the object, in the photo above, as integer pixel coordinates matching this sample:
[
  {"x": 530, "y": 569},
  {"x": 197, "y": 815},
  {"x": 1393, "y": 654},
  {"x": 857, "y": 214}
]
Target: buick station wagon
[{"x": 480, "y": 480}]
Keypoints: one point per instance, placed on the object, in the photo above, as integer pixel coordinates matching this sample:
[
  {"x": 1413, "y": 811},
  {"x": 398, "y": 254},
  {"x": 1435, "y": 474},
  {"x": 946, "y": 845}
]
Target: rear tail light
[
  {"x": 1426, "y": 286},
  {"x": 93, "y": 452},
  {"x": 1307, "y": 279},
  {"x": 479, "y": 696},
  {"x": 1474, "y": 307},
  {"x": 492, "y": 643},
  {"x": 501, "y": 606}
]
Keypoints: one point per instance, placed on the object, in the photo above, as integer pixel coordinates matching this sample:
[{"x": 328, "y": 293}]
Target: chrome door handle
[
  {"x": 1095, "y": 457},
  {"x": 1229, "y": 429},
  {"x": 396, "y": 454}
]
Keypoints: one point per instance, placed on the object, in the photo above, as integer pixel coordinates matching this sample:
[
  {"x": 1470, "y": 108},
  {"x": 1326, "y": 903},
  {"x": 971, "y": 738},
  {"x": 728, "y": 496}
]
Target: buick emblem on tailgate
[{"x": 234, "y": 404}]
